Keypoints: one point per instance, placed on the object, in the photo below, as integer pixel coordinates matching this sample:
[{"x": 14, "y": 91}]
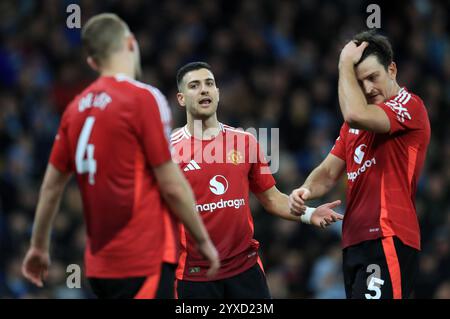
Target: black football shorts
[{"x": 383, "y": 268}]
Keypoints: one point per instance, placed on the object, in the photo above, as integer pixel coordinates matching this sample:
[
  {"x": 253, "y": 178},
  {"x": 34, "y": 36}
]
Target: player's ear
[
  {"x": 130, "y": 42},
  {"x": 91, "y": 62},
  {"x": 392, "y": 70},
  {"x": 180, "y": 99}
]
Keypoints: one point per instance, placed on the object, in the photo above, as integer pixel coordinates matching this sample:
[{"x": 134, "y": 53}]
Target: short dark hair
[
  {"x": 188, "y": 68},
  {"x": 379, "y": 46}
]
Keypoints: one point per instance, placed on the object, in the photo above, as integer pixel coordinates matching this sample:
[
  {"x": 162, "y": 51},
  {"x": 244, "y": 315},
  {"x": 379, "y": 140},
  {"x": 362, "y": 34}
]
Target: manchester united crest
[{"x": 235, "y": 157}]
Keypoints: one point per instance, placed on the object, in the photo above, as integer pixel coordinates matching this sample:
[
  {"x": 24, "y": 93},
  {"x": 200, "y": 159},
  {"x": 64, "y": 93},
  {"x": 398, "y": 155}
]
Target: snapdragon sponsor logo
[
  {"x": 358, "y": 157},
  {"x": 359, "y": 154},
  {"x": 236, "y": 147},
  {"x": 218, "y": 185},
  {"x": 367, "y": 164},
  {"x": 210, "y": 207}
]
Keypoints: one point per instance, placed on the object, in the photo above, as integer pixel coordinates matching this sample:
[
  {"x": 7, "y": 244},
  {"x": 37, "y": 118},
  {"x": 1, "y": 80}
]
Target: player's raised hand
[
  {"x": 352, "y": 52},
  {"x": 324, "y": 215},
  {"x": 208, "y": 251},
  {"x": 297, "y": 201},
  {"x": 35, "y": 266}
]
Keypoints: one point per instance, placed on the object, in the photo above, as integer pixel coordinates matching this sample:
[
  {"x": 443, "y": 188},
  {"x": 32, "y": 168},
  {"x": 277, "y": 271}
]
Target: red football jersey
[
  {"x": 383, "y": 172},
  {"x": 221, "y": 171},
  {"x": 111, "y": 135}
]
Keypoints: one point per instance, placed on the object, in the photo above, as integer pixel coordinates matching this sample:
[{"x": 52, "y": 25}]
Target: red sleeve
[
  {"x": 339, "y": 146},
  {"x": 153, "y": 127},
  {"x": 60, "y": 154},
  {"x": 260, "y": 176},
  {"x": 405, "y": 112}
]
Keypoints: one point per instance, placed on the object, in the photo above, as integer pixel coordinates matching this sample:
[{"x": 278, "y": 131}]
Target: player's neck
[
  {"x": 115, "y": 71},
  {"x": 118, "y": 65},
  {"x": 395, "y": 89},
  {"x": 204, "y": 129}
]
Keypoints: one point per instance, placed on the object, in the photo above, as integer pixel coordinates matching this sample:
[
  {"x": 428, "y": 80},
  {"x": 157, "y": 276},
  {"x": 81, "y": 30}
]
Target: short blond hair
[{"x": 102, "y": 35}]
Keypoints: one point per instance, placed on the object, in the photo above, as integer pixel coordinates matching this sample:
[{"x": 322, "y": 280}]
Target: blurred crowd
[{"x": 275, "y": 63}]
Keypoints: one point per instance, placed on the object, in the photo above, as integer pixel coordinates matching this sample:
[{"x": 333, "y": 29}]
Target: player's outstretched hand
[
  {"x": 297, "y": 201},
  {"x": 324, "y": 215},
  {"x": 35, "y": 265},
  {"x": 208, "y": 250}
]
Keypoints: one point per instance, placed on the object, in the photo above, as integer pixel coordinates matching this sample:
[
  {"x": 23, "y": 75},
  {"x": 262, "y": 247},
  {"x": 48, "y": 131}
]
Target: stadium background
[{"x": 275, "y": 63}]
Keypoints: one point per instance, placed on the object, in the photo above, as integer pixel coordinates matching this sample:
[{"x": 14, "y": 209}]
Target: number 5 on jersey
[{"x": 88, "y": 164}]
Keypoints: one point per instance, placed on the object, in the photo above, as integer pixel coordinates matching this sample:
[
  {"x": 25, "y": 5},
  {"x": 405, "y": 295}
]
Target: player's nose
[
  {"x": 368, "y": 87},
  {"x": 204, "y": 90}
]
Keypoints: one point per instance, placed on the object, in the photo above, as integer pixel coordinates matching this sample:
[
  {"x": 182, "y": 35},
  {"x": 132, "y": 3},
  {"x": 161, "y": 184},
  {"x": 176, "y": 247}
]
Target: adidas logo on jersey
[{"x": 192, "y": 166}]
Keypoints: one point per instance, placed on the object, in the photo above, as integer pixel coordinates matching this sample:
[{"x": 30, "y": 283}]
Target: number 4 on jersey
[{"x": 88, "y": 164}]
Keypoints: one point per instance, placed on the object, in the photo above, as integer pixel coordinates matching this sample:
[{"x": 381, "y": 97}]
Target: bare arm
[
  {"x": 277, "y": 203},
  {"x": 37, "y": 260},
  {"x": 324, "y": 176},
  {"x": 179, "y": 197},
  {"x": 355, "y": 110},
  {"x": 318, "y": 183},
  {"x": 48, "y": 205}
]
